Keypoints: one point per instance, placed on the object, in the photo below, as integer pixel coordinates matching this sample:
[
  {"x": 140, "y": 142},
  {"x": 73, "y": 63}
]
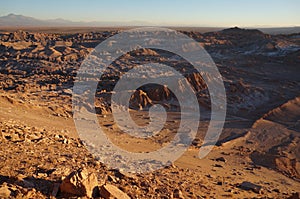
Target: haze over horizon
[{"x": 269, "y": 13}]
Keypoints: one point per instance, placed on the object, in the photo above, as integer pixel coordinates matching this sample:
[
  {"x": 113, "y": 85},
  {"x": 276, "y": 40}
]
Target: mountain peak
[
  {"x": 237, "y": 30},
  {"x": 13, "y": 15}
]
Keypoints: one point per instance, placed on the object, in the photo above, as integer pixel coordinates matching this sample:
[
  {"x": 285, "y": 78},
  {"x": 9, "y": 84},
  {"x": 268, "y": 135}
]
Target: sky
[{"x": 208, "y": 13}]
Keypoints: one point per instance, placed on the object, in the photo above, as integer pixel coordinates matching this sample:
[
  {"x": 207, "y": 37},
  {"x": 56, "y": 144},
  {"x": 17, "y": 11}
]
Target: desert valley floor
[{"x": 257, "y": 155}]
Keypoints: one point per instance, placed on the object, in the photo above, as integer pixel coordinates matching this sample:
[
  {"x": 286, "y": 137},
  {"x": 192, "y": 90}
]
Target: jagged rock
[
  {"x": 112, "y": 178},
  {"x": 108, "y": 191},
  {"x": 218, "y": 165},
  {"x": 4, "y": 191},
  {"x": 159, "y": 93},
  {"x": 139, "y": 100},
  {"x": 80, "y": 183},
  {"x": 197, "y": 81},
  {"x": 221, "y": 159},
  {"x": 177, "y": 194},
  {"x": 250, "y": 186},
  {"x": 294, "y": 196},
  {"x": 148, "y": 52},
  {"x": 23, "y": 181},
  {"x": 13, "y": 136}
]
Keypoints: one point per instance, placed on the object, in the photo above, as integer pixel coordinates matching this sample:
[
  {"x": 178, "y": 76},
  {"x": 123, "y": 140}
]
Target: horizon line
[{"x": 119, "y": 24}]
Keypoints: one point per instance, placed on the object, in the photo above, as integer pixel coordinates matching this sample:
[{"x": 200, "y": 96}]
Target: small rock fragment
[
  {"x": 221, "y": 159},
  {"x": 177, "y": 194},
  {"x": 112, "y": 178},
  {"x": 250, "y": 186},
  {"x": 218, "y": 165},
  {"x": 219, "y": 183},
  {"x": 276, "y": 190}
]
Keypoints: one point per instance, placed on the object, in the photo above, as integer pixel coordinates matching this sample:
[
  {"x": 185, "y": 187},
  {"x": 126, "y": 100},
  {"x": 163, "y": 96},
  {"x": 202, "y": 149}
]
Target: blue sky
[{"x": 243, "y": 13}]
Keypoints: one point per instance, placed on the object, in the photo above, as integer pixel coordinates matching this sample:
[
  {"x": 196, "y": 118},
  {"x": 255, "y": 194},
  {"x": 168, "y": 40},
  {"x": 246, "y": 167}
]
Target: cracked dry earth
[{"x": 257, "y": 155}]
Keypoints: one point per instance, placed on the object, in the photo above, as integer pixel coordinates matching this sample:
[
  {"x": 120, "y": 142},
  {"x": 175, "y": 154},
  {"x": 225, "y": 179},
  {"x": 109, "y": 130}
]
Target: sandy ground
[{"x": 216, "y": 179}]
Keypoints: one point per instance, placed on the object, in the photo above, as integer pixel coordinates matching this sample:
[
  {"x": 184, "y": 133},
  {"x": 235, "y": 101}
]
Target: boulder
[
  {"x": 4, "y": 191},
  {"x": 80, "y": 183},
  {"x": 108, "y": 191}
]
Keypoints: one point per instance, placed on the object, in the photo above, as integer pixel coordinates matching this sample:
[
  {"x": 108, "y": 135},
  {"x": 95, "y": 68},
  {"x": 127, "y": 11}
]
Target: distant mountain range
[
  {"x": 25, "y": 21},
  {"x": 13, "y": 20}
]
